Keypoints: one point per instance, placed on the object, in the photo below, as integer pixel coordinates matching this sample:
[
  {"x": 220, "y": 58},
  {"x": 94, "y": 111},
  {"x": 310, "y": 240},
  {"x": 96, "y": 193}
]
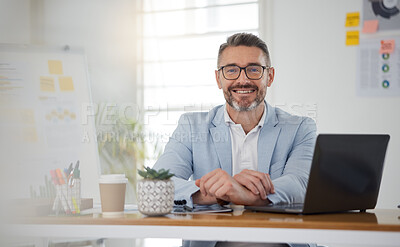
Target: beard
[{"x": 244, "y": 104}]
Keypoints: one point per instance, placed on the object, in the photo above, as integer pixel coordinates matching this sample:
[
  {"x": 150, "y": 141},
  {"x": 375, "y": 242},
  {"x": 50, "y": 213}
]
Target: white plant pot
[{"x": 155, "y": 197}]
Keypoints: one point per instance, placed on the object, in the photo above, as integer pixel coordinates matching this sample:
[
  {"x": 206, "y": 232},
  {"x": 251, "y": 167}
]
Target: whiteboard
[{"x": 46, "y": 119}]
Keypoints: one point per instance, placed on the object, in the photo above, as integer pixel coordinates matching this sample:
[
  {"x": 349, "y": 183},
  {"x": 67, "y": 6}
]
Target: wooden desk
[{"x": 375, "y": 228}]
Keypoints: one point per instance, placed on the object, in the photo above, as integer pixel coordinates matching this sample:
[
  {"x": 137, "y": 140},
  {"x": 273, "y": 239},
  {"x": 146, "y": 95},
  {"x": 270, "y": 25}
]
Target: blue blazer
[{"x": 202, "y": 143}]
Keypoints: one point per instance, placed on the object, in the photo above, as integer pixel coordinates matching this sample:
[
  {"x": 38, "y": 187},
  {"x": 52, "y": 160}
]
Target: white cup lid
[{"x": 113, "y": 179}]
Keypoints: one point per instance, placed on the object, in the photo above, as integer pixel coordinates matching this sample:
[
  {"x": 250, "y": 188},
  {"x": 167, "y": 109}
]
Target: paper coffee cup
[{"x": 112, "y": 194}]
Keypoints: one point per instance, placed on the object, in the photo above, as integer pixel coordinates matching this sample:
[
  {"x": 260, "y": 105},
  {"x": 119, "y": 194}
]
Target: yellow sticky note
[
  {"x": 55, "y": 67},
  {"x": 370, "y": 26},
  {"x": 353, "y": 19},
  {"x": 47, "y": 84},
  {"x": 66, "y": 83},
  {"x": 352, "y": 37},
  {"x": 387, "y": 46}
]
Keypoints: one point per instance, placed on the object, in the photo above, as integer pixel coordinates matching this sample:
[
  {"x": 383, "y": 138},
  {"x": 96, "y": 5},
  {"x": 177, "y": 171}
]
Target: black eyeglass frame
[{"x": 244, "y": 68}]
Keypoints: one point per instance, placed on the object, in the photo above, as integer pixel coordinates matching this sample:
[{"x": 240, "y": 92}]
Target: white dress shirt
[{"x": 244, "y": 147}]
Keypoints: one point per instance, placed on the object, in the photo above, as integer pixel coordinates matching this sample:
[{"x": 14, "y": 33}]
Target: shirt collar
[{"x": 260, "y": 124}]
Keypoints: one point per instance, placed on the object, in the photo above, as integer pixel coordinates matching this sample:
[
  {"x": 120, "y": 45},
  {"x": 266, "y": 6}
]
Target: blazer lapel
[
  {"x": 267, "y": 140},
  {"x": 222, "y": 141}
]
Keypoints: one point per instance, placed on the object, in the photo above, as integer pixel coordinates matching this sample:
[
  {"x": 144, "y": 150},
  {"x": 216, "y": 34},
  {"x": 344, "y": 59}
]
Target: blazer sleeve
[
  {"x": 178, "y": 158},
  {"x": 291, "y": 186}
]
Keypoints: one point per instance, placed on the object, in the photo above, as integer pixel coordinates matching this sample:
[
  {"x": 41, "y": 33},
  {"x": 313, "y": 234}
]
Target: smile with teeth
[{"x": 243, "y": 91}]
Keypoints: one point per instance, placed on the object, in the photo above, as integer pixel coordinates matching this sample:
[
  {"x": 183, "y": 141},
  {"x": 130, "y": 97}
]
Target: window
[{"x": 178, "y": 46}]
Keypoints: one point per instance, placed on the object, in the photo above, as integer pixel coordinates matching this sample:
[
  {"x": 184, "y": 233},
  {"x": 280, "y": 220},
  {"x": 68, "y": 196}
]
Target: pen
[
  {"x": 77, "y": 188},
  {"x": 55, "y": 182},
  {"x": 70, "y": 168},
  {"x": 64, "y": 201},
  {"x": 77, "y": 165},
  {"x": 69, "y": 173},
  {"x": 63, "y": 189},
  {"x": 60, "y": 176},
  {"x": 75, "y": 206}
]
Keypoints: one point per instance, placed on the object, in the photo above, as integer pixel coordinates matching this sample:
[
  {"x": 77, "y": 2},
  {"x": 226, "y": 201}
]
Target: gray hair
[{"x": 245, "y": 39}]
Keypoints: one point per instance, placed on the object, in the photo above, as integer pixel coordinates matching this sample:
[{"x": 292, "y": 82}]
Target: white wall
[
  {"x": 313, "y": 65},
  {"x": 15, "y": 21}
]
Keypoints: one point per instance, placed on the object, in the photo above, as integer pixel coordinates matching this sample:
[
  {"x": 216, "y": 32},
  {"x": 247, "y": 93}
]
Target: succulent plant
[{"x": 161, "y": 174}]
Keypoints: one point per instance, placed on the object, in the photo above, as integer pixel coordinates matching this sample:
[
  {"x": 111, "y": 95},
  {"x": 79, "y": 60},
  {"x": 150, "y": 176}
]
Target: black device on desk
[
  {"x": 200, "y": 209},
  {"x": 345, "y": 175}
]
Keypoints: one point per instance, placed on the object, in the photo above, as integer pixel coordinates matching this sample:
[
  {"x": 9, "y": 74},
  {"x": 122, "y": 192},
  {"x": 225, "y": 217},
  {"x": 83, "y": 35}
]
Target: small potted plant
[{"x": 155, "y": 192}]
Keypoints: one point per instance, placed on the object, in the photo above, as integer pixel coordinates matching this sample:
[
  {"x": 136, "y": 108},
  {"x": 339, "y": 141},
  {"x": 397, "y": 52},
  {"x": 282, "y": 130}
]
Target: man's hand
[
  {"x": 216, "y": 184},
  {"x": 220, "y": 185},
  {"x": 257, "y": 182},
  {"x": 198, "y": 198}
]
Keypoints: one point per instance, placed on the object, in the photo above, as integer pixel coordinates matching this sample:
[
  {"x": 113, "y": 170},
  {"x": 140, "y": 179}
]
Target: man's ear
[
  {"x": 271, "y": 75},
  {"x": 218, "y": 79}
]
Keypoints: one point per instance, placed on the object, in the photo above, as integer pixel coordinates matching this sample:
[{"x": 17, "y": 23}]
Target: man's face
[{"x": 244, "y": 94}]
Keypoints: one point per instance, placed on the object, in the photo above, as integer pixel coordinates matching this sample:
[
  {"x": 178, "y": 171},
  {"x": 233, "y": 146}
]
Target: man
[{"x": 246, "y": 151}]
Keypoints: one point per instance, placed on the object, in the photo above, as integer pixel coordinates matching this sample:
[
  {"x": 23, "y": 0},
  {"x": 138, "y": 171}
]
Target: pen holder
[{"x": 68, "y": 198}]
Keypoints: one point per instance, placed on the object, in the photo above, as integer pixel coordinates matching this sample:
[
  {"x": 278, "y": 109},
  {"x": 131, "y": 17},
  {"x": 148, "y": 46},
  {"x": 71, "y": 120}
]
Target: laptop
[{"x": 345, "y": 175}]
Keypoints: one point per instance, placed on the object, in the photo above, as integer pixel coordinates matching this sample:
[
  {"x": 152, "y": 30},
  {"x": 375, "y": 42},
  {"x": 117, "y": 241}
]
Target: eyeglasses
[{"x": 253, "y": 72}]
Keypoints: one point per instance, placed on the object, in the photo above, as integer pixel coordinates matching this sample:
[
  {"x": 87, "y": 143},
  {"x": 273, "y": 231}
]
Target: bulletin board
[
  {"x": 378, "y": 67},
  {"x": 378, "y": 74},
  {"x": 46, "y": 119}
]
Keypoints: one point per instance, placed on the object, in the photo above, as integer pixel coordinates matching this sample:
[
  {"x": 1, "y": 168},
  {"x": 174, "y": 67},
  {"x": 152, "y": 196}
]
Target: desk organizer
[{"x": 68, "y": 190}]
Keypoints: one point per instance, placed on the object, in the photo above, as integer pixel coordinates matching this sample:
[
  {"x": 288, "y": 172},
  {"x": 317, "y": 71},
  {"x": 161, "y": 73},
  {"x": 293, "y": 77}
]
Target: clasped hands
[{"x": 245, "y": 188}]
